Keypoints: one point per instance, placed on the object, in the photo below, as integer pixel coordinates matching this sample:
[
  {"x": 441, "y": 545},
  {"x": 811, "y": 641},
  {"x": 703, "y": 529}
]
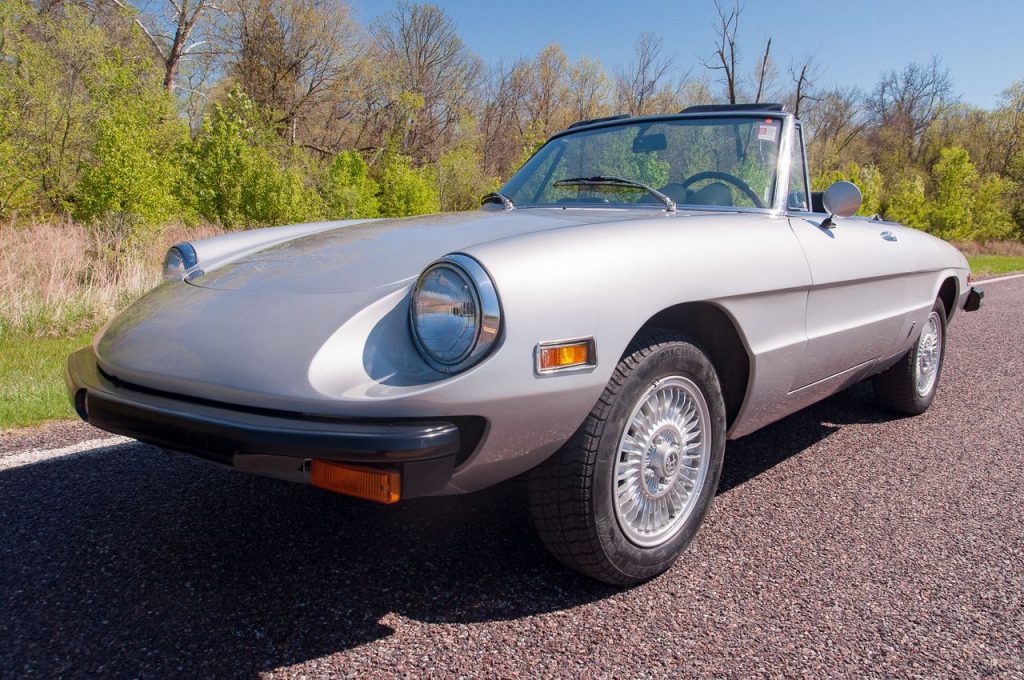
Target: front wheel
[
  {"x": 626, "y": 495},
  {"x": 909, "y": 386}
]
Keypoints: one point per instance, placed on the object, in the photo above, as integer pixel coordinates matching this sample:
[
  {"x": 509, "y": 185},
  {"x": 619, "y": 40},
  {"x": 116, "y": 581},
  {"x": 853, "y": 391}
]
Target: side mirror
[{"x": 841, "y": 199}]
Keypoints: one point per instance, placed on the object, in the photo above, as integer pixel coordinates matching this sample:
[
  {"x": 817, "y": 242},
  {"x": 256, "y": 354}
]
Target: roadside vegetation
[
  {"x": 31, "y": 379},
  {"x": 992, "y": 265},
  {"x": 117, "y": 140},
  {"x": 994, "y": 258}
]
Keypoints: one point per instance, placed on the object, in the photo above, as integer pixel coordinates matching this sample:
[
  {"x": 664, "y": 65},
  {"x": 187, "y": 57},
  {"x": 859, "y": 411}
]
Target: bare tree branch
[
  {"x": 138, "y": 22},
  {"x": 803, "y": 80},
  {"x": 762, "y": 72},
  {"x": 726, "y": 55},
  {"x": 638, "y": 84},
  {"x": 908, "y": 102},
  {"x": 170, "y": 40}
]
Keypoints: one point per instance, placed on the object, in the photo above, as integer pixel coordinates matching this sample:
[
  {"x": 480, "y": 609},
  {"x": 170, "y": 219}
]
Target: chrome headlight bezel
[
  {"x": 488, "y": 313},
  {"x": 180, "y": 263}
]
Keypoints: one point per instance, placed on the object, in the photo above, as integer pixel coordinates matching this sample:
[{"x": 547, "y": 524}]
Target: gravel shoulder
[{"x": 842, "y": 542}]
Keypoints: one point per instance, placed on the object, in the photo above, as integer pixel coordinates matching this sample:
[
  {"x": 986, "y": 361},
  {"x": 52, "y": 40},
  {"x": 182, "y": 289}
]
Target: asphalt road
[{"x": 842, "y": 542}]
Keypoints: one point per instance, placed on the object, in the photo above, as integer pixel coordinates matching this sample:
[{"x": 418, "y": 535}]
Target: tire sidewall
[
  {"x": 676, "y": 358},
  {"x": 924, "y": 402}
]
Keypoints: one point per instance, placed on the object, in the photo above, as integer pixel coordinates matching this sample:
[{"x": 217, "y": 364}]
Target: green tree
[
  {"x": 992, "y": 218},
  {"x": 20, "y": 58},
  {"x": 867, "y": 178},
  {"x": 135, "y": 166},
  {"x": 236, "y": 178},
  {"x": 907, "y": 203},
  {"x": 348, "y": 190},
  {"x": 1015, "y": 202},
  {"x": 405, "y": 190},
  {"x": 62, "y": 72},
  {"x": 461, "y": 180},
  {"x": 951, "y": 214}
]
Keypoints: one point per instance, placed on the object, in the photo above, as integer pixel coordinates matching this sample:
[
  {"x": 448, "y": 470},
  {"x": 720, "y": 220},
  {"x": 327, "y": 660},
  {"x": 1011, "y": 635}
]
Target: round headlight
[
  {"x": 455, "y": 313},
  {"x": 178, "y": 261}
]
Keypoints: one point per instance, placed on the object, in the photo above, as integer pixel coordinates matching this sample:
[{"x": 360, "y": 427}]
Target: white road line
[
  {"x": 8, "y": 461},
  {"x": 1001, "y": 278}
]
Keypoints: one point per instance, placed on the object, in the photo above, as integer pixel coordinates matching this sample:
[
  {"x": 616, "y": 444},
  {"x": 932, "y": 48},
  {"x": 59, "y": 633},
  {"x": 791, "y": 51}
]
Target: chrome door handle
[{"x": 888, "y": 236}]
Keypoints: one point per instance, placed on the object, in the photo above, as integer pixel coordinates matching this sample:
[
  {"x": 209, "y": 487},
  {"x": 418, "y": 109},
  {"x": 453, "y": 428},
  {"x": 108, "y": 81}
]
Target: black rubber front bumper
[
  {"x": 974, "y": 299},
  {"x": 424, "y": 451}
]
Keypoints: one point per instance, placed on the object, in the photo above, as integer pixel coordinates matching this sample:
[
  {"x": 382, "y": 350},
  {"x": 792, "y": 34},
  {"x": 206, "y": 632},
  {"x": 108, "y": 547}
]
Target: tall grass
[
  {"x": 1001, "y": 248},
  {"x": 64, "y": 278}
]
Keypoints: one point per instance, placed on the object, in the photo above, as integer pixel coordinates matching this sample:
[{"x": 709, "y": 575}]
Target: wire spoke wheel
[
  {"x": 929, "y": 354},
  {"x": 909, "y": 385},
  {"x": 663, "y": 460},
  {"x": 649, "y": 455}
]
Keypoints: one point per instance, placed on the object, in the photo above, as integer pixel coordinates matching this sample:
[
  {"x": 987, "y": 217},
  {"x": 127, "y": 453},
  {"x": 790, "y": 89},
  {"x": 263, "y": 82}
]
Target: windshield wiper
[
  {"x": 609, "y": 181},
  {"x": 498, "y": 197}
]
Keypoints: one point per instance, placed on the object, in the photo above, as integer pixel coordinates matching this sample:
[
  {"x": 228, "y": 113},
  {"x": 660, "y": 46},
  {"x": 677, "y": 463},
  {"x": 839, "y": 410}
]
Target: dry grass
[
  {"x": 1001, "y": 248},
  {"x": 59, "y": 279}
]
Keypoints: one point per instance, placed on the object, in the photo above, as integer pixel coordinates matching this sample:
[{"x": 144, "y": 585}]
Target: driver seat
[{"x": 715, "y": 193}]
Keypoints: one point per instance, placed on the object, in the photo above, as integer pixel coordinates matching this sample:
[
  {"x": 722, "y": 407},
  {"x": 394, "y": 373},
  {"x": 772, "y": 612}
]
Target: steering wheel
[{"x": 725, "y": 177}]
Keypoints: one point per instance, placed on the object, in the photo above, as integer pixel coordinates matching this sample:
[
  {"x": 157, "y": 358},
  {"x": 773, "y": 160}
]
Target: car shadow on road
[
  {"x": 759, "y": 452},
  {"x": 130, "y": 562}
]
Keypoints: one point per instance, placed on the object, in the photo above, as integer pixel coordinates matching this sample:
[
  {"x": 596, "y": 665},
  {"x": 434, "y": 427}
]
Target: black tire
[
  {"x": 896, "y": 388},
  {"x": 571, "y": 494}
]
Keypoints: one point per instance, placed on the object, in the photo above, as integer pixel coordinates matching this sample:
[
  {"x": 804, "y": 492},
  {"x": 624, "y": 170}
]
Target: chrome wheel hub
[
  {"x": 928, "y": 355},
  {"x": 662, "y": 462}
]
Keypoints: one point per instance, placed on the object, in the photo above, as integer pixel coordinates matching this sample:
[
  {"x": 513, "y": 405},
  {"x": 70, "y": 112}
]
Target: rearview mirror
[
  {"x": 648, "y": 143},
  {"x": 842, "y": 199}
]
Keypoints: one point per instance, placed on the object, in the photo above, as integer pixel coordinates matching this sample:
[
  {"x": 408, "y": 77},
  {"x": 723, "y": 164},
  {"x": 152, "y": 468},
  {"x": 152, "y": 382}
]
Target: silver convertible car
[{"x": 642, "y": 290}]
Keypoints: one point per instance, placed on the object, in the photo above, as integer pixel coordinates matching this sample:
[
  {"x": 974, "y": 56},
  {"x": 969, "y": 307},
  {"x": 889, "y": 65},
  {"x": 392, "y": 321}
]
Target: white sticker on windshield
[{"x": 768, "y": 131}]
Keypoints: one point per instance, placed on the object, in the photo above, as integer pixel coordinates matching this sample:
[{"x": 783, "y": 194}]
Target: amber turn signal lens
[
  {"x": 554, "y": 357},
  {"x": 383, "y": 486}
]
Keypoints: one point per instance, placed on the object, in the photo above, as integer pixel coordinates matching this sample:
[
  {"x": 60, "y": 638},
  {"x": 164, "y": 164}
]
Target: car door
[{"x": 858, "y": 294}]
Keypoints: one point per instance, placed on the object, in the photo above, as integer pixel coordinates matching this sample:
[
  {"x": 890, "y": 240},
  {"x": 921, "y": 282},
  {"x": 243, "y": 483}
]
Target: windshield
[{"x": 726, "y": 162}]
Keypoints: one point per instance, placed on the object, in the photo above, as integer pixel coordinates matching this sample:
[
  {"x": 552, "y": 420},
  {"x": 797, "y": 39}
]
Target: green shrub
[
  {"x": 992, "y": 217},
  {"x": 135, "y": 165},
  {"x": 951, "y": 214},
  {"x": 907, "y": 203},
  {"x": 867, "y": 178},
  {"x": 405, "y": 190},
  {"x": 348, "y": 191},
  {"x": 235, "y": 173},
  {"x": 461, "y": 180},
  {"x": 19, "y": 60}
]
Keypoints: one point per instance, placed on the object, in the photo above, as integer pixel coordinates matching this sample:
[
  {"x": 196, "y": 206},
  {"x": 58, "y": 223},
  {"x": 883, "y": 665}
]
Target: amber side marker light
[
  {"x": 383, "y": 486},
  {"x": 560, "y": 356}
]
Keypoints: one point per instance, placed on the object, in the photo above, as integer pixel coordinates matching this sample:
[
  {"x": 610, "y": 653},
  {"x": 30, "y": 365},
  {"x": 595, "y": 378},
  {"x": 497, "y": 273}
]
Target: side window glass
[{"x": 798, "y": 198}]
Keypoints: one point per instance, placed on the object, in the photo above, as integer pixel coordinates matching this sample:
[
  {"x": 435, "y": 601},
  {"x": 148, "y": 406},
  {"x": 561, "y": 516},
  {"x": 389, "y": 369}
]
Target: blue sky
[{"x": 981, "y": 42}]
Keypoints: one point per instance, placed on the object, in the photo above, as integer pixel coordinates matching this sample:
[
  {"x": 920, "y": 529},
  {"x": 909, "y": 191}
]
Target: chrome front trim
[{"x": 489, "y": 314}]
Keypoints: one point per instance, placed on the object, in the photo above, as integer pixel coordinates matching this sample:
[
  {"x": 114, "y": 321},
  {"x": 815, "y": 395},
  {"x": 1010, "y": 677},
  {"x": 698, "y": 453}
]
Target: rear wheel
[
  {"x": 909, "y": 386},
  {"x": 626, "y": 495}
]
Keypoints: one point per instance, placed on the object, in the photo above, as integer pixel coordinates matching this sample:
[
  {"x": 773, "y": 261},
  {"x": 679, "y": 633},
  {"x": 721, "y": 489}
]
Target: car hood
[
  {"x": 380, "y": 253},
  {"x": 257, "y": 325}
]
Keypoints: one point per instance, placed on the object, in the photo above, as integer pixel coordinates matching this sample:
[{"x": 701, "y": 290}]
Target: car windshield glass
[{"x": 725, "y": 162}]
